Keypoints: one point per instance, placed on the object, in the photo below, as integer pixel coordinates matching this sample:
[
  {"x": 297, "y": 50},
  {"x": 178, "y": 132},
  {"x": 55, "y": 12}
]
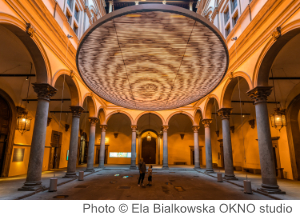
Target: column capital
[
  {"x": 165, "y": 128},
  {"x": 44, "y": 90},
  {"x": 103, "y": 128},
  {"x": 76, "y": 111},
  {"x": 260, "y": 93},
  {"x": 206, "y": 122},
  {"x": 134, "y": 127},
  {"x": 93, "y": 120},
  {"x": 225, "y": 112},
  {"x": 196, "y": 128}
]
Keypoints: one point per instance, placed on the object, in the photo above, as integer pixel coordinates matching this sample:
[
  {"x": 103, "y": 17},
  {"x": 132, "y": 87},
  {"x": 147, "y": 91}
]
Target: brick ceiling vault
[{"x": 152, "y": 57}]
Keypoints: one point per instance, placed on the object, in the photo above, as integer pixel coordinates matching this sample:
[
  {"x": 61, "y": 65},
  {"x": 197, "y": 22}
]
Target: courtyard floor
[{"x": 179, "y": 182}]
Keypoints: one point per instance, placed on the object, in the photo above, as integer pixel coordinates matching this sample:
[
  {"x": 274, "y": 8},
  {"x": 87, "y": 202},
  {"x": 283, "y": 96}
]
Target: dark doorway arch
[
  {"x": 293, "y": 133},
  {"x": 7, "y": 128},
  {"x": 149, "y": 150}
]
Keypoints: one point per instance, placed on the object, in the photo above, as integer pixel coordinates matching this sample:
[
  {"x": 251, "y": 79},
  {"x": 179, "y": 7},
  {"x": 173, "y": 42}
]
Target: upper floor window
[
  {"x": 69, "y": 16},
  {"x": 226, "y": 16},
  {"x": 227, "y": 30},
  {"x": 234, "y": 19},
  {"x": 75, "y": 29},
  {"x": 70, "y": 3},
  {"x": 233, "y": 5},
  {"x": 76, "y": 14}
]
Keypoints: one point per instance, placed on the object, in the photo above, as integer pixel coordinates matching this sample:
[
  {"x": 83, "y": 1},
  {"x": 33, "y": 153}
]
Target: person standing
[{"x": 142, "y": 169}]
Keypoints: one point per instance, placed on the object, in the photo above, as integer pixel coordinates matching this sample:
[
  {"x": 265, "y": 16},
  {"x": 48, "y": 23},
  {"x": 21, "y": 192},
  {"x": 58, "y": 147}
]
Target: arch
[
  {"x": 208, "y": 105},
  {"x": 229, "y": 86},
  {"x": 293, "y": 135},
  {"x": 180, "y": 112},
  {"x": 119, "y": 111},
  {"x": 72, "y": 84},
  {"x": 198, "y": 115},
  {"x": 270, "y": 51},
  {"x": 101, "y": 115},
  {"x": 91, "y": 104},
  {"x": 150, "y": 112},
  {"x": 33, "y": 45},
  {"x": 11, "y": 134},
  {"x": 146, "y": 130}
]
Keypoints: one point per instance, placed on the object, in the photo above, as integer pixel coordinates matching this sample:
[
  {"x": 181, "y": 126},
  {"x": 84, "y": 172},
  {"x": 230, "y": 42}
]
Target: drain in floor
[
  {"x": 124, "y": 187},
  {"x": 60, "y": 196},
  {"x": 81, "y": 186},
  {"x": 179, "y": 188}
]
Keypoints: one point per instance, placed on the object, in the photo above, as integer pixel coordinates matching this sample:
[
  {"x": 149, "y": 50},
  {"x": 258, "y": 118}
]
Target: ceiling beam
[
  {"x": 16, "y": 75},
  {"x": 284, "y": 78}
]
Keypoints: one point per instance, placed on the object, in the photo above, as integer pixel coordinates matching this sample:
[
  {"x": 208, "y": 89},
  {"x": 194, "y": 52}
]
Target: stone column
[
  {"x": 102, "y": 146},
  {"x": 133, "y": 147},
  {"x": 90, "y": 162},
  {"x": 209, "y": 166},
  {"x": 165, "y": 147},
  {"x": 110, "y": 7},
  {"x": 73, "y": 149},
  {"x": 140, "y": 146},
  {"x": 191, "y": 6},
  {"x": 34, "y": 173},
  {"x": 196, "y": 147},
  {"x": 227, "y": 147},
  {"x": 268, "y": 173},
  {"x": 159, "y": 136}
]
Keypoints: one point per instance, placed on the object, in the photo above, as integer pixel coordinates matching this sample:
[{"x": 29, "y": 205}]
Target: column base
[
  {"x": 32, "y": 186},
  {"x": 133, "y": 168},
  {"x": 165, "y": 168},
  {"x": 269, "y": 189},
  {"x": 197, "y": 168},
  {"x": 92, "y": 170},
  {"x": 101, "y": 166},
  {"x": 230, "y": 177},
  {"x": 70, "y": 175},
  {"x": 209, "y": 171}
]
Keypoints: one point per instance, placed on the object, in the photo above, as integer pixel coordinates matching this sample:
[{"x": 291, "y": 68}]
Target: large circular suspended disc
[{"x": 152, "y": 57}]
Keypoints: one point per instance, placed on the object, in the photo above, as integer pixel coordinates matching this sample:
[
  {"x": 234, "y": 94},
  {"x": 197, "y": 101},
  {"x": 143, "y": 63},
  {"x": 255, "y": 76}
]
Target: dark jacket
[{"x": 142, "y": 167}]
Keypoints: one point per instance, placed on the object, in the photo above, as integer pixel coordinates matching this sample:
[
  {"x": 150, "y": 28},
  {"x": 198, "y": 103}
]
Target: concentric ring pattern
[{"x": 152, "y": 60}]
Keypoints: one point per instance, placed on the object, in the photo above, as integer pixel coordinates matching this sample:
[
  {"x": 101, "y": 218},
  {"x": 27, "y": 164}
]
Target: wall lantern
[
  {"x": 278, "y": 119},
  {"x": 116, "y": 134},
  {"x": 23, "y": 121},
  {"x": 182, "y": 136},
  {"x": 149, "y": 137}
]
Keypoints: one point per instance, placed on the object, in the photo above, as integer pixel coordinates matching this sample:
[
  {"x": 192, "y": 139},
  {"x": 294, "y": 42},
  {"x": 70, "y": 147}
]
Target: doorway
[
  {"x": 5, "y": 118},
  {"x": 56, "y": 139},
  {"x": 149, "y": 150},
  {"x": 193, "y": 155}
]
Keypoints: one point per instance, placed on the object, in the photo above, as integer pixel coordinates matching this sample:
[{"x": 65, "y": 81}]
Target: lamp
[
  {"x": 182, "y": 136},
  {"x": 149, "y": 137},
  {"x": 23, "y": 121},
  {"x": 278, "y": 119}
]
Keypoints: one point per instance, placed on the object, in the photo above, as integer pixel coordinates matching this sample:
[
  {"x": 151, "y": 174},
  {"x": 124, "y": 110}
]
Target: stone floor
[{"x": 104, "y": 185}]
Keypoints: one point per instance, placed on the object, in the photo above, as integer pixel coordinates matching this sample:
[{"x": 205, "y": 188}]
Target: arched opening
[
  {"x": 211, "y": 112},
  {"x": 149, "y": 138},
  {"x": 5, "y": 126},
  {"x": 180, "y": 140},
  {"x": 22, "y": 63},
  {"x": 149, "y": 145},
  {"x": 117, "y": 139},
  {"x": 293, "y": 131}
]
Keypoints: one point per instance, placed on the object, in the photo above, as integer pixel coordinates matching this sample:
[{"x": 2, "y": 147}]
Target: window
[
  {"x": 233, "y": 5},
  {"x": 70, "y": 3},
  {"x": 69, "y": 17},
  {"x": 227, "y": 31},
  {"x": 234, "y": 19},
  {"x": 226, "y": 16},
  {"x": 75, "y": 29},
  {"x": 76, "y": 14}
]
